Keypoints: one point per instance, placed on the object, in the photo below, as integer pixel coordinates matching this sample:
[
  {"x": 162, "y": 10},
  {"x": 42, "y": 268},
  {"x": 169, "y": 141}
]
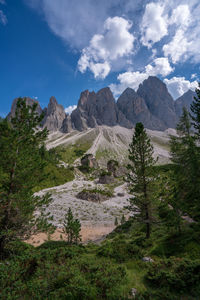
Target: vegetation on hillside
[{"x": 153, "y": 255}]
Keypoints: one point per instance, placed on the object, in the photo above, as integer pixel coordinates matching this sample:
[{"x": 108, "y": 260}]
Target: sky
[{"x": 60, "y": 48}]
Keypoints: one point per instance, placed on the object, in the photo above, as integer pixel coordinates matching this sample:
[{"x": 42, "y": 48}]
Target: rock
[
  {"x": 147, "y": 259},
  {"x": 89, "y": 161},
  {"x": 159, "y": 102},
  {"x": 112, "y": 166},
  {"x": 54, "y": 116},
  {"x": 97, "y": 109},
  {"x": 67, "y": 124},
  {"x": 184, "y": 101},
  {"x": 92, "y": 196},
  {"x": 106, "y": 179},
  {"x": 29, "y": 102},
  {"x": 120, "y": 194},
  {"x": 135, "y": 109},
  {"x": 133, "y": 293}
]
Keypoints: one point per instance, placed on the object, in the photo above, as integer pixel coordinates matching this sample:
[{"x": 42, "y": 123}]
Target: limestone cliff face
[
  {"x": 159, "y": 102},
  {"x": 184, "y": 101},
  {"x": 135, "y": 109},
  {"x": 29, "y": 102},
  {"x": 54, "y": 115},
  {"x": 151, "y": 104},
  {"x": 97, "y": 109}
]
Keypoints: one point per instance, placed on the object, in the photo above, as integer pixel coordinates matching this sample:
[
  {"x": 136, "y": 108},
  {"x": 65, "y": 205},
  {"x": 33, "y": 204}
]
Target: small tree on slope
[
  {"x": 141, "y": 177},
  {"x": 72, "y": 228}
]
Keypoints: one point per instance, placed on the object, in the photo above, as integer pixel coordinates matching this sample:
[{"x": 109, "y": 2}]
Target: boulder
[
  {"x": 147, "y": 259},
  {"x": 89, "y": 161}
]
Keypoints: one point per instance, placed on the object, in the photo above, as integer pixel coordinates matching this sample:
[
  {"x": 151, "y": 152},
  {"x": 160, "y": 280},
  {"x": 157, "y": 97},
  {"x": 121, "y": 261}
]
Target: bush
[
  {"x": 120, "y": 250},
  {"x": 173, "y": 275}
]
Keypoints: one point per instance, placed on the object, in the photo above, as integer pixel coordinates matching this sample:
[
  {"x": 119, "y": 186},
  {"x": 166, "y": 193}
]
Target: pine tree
[
  {"x": 21, "y": 168},
  {"x": 72, "y": 228},
  {"x": 195, "y": 109},
  {"x": 141, "y": 176},
  {"x": 186, "y": 159}
]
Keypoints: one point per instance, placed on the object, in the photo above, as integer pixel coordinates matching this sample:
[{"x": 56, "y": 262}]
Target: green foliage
[
  {"x": 174, "y": 277},
  {"x": 195, "y": 109},
  {"x": 54, "y": 175},
  {"x": 60, "y": 271},
  {"x": 70, "y": 153},
  {"x": 141, "y": 176},
  {"x": 120, "y": 250},
  {"x": 98, "y": 191},
  {"x": 186, "y": 157},
  {"x": 22, "y": 162},
  {"x": 72, "y": 228},
  {"x": 105, "y": 173}
]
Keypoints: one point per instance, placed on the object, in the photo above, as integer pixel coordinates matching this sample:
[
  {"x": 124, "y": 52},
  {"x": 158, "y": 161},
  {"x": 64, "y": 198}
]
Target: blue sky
[{"x": 62, "y": 47}]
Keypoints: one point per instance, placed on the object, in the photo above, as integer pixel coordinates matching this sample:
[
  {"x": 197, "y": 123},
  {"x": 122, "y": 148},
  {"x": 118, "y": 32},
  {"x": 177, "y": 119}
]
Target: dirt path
[{"x": 88, "y": 233}]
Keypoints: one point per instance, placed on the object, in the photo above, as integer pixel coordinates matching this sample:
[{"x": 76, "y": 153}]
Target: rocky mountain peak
[
  {"x": 54, "y": 115},
  {"x": 158, "y": 100},
  {"x": 184, "y": 101},
  {"x": 29, "y": 102}
]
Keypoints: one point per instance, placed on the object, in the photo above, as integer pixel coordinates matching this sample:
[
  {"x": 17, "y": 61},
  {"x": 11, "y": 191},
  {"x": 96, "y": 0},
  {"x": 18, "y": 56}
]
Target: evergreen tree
[
  {"x": 116, "y": 221},
  {"x": 186, "y": 158},
  {"x": 72, "y": 228},
  {"x": 195, "y": 109},
  {"x": 141, "y": 176},
  {"x": 21, "y": 167}
]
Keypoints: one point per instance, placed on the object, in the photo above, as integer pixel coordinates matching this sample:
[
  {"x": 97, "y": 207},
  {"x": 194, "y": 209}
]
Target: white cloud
[
  {"x": 154, "y": 24},
  {"x": 115, "y": 42},
  {"x": 178, "y": 47},
  {"x": 177, "y": 86},
  {"x": 70, "y": 108},
  {"x": 194, "y": 76},
  {"x": 77, "y": 21},
  {"x": 3, "y": 18},
  {"x": 160, "y": 66},
  {"x": 184, "y": 45},
  {"x": 181, "y": 16}
]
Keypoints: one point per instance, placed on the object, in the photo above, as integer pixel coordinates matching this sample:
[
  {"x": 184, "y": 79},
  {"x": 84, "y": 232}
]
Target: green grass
[
  {"x": 71, "y": 152},
  {"x": 54, "y": 176}
]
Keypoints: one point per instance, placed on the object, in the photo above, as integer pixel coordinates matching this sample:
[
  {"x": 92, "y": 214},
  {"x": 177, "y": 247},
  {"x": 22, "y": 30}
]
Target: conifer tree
[
  {"x": 72, "y": 228},
  {"x": 141, "y": 177},
  {"x": 21, "y": 168},
  {"x": 195, "y": 109},
  {"x": 186, "y": 159}
]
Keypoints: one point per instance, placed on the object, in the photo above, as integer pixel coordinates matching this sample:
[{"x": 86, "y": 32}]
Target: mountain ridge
[{"x": 152, "y": 105}]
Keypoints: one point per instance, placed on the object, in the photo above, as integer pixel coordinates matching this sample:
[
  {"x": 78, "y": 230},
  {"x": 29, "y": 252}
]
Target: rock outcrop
[
  {"x": 135, "y": 110},
  {"x": 97, "y": 109},
  {"x": 54, "y": 116},
  {"x": 29, "y": 102},
  {"x": 159, "y": 102},
  {"x": 184, "y": 101},
  {"x": 151, "y": 104}
]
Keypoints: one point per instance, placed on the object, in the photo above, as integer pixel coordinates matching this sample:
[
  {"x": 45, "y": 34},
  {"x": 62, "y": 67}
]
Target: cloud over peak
[{"x": 115, "y": 42}]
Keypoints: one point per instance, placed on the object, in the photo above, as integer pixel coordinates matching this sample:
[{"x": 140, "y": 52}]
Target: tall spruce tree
[
  {"x": 195, "y": 109},
  {"x": 141, "y": 177},
  {"x": 21, "y": 168},
  {"x": 186, "y": 159}
]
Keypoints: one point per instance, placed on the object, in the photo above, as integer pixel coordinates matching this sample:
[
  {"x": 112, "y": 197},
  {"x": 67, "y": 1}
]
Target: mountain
[
  {"x": 135, "y": 110},
  {"x": 184, "y": 101},
  {"x": 97, "y": 109},
  {"x": 54, "y": 115},
  {"x": 29, "y": 102},
  {"x": 151, "y": 104},
  {"x": 159, "y": 102}
]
